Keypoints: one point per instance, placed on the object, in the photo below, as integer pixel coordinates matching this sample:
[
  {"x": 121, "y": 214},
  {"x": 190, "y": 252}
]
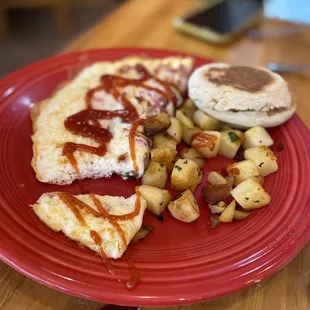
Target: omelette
[
  {"x": 62, "y": 155},
  {"x": 105, "y": 224}
]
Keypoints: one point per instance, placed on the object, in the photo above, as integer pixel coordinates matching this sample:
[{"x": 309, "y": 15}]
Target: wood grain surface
[{"x": 147, "y": 23}]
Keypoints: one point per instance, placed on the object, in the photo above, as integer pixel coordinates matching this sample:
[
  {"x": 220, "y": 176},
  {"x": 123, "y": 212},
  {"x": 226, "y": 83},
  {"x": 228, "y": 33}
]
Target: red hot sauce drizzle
[
  {"x": 75, "y": 205},
  {"x": 86, "y": 122}
]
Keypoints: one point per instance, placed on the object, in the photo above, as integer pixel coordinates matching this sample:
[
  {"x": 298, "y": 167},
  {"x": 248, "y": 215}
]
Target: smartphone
[{"x": 221, "y": 20}]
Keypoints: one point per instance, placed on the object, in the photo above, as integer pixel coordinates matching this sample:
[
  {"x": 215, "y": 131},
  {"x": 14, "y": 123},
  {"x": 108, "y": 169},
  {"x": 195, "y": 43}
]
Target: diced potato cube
[
  {"x": 175, "y": 130},
  {"x": 188, "y": 133},
  {"x": 263, "y": 158},
  {"x": 218, "y": 208},
  {"x": 225, "y": 127},
  {"x": 242, "y": 170},
  {"x": 161, "y": 141},
  {"x": 228, "y": 214},
  {"x": 240, "y": 215},
  {"x": 188, "y": 108},
  {"x": 215, "y": 178},
  {"x": 184, "y": 207},
  {"x": 155, "y": 175},
  {"x": 257, "y": 178},
  {"x": 183, "y": 119},
  {"x": 193, "y": 154},
  {"x": 256, "y": 136},
  {"x": 156, "y": 124},
  {"x": 157, "y": 199},
  {"x": 250, "y": 195},
  {"x": 207, "y": 143},
  {"x": 205, "y": 121},
  {"x": 230, "y": 142},
  {"x": 164, "y": 156},
  {"x": 185, "y": 175}
]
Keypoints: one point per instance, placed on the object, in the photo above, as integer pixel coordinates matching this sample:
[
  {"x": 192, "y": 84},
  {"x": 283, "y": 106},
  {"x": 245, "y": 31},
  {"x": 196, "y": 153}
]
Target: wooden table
[{"x": 148, "y": 23}]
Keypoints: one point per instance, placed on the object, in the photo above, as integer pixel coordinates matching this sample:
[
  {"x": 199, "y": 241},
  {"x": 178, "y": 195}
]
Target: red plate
[{"x": 179, "y": 263}]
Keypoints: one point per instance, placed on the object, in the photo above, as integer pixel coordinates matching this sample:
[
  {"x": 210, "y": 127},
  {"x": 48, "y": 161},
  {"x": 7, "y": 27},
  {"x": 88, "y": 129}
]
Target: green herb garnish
[
  {"x": 185, "y": 162},
  {"x": 261, "y": 164},
  {"x": 162, "y": 165},
  {"x": 280, "y": 147},
  {"x": 233, "y": 137},
  {"x": 178, "y": 167}
]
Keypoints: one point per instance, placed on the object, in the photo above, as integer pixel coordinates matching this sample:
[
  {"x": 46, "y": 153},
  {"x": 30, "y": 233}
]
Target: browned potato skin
[
  {"x": 156, "y": 124},
  {"x": 216, "y": 193}
]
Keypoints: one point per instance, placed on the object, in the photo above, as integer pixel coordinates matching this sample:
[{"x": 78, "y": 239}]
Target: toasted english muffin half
[{"x": 242, "y": 96}]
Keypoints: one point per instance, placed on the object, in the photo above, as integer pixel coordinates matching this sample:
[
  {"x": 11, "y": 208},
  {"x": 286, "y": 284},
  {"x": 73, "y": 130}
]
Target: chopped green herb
[
  {"x": 260, "y": 141},
  {"x": 178, "y": 167},
  {"x": 185, "y": 162},
  {"x": 195, "y": 202},
  {"x": 162, "y": 165},
  {"x": 161, "y": 203},
  {"x": 256, "y": 201},
  {"x": 261, "y": 164},
  {"x": 246, "y": 198},
  {"x": 258, "y": 189},
  {"x": 233, "y": 137},
  {"x": 280, "y": 147},
  {"x": 267, "y": 154}
]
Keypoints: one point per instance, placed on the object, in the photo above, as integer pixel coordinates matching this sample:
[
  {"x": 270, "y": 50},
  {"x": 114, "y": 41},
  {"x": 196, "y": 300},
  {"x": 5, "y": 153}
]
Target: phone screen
[{"x": 227, "y": 16}]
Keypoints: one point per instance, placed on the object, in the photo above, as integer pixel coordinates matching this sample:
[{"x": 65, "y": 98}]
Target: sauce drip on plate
[
  {"x": 86, "y": 122},
  {"x": 76, "y": 205}
]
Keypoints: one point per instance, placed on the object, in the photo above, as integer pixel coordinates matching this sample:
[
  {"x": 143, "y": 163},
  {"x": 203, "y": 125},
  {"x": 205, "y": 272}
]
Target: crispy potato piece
[
  {"x": 256, "y": 136},
  {"x": 183, "y": 119},
  {"x": 230, "y": 142},
  {"x": 205, "y": 121},
  {"x": 240, "y": 215},
  {"x": 184, "y": 207},
  {"x": 207, "y": 143},
  {"x": 161, "y": 141},
  {"x": 156, "y": 124},
  {"x": 193, "y": 154},
  {"x": 142, "y": 233},
  {"x": 263, "y": 158},
  {"x": 188, "y": 133},
  {"x": 157, "y": 199},
  {"x": 175, "y": 130},
  {"x": 188, "y": 108},
  {"x": 228, "y": 214},
  {"x": 218, "y": 208},
  {"x": 164, "y": 156},
  {"x": 215, "y": 178},
  {"x": 155, "y": 175},
  {"x": 250, "y": 195},
  {"x": 242, "y": 170},
  {"x": 185, "y": 175}
]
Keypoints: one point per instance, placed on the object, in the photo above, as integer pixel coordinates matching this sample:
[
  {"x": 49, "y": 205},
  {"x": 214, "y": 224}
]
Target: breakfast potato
[
  {"x": 161, "y": 141},
  {"x": 183, "y": 119},
  {"x": 218, "y": 208},
  {"x": 207, "y": 143},
  {"x": 263, "y": 158},
  {"x": 164, "y": 156},
  {"x": 157, "y": 199},
  {"x": 250, "y": 195},
  {"x": 257, "y": 178},
  {"x": 256, "y": 136},
  {"x": 155, "y": 175},
  {"x": 185, "y": 175},
  {"x": 193, "y": 154},
  {"x": 188, "y": 133},
  {"x": 184, "y": 207},
  {"x": 242, "y": 170},
  {"x": 230, "y": 142},
  {"x": 205, "y": 121},
  {"x": 228, "y": 214},
  {"x": 175, "y": 130},
  {"x": 240, "y": 215},
  {"x": 215, "y": 178},
  {"x": 156, "y": 124},
  {"x": 188, "y": 108}
]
